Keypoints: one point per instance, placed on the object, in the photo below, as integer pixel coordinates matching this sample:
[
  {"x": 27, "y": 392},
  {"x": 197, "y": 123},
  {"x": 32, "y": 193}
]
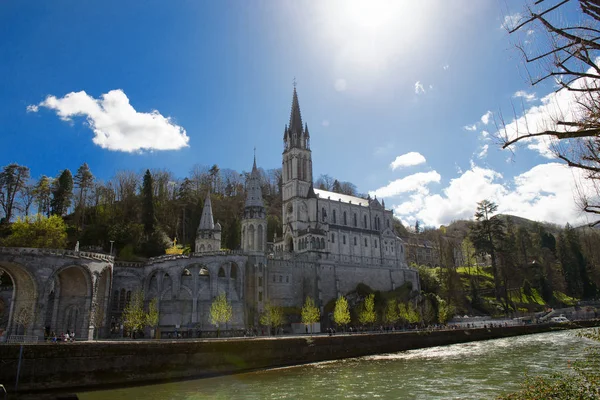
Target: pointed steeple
[
  {"x": 253, "y": 189},
  {"x": 206, "y": 221},
  {"x": 295, "y": 116}
]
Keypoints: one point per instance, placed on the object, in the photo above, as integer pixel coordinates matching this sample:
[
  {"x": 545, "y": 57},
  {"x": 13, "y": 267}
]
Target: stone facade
[{"x": 55, "y": 291}]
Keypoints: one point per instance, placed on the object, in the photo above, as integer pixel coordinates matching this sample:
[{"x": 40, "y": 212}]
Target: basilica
[{"x": 330, "y": 243}]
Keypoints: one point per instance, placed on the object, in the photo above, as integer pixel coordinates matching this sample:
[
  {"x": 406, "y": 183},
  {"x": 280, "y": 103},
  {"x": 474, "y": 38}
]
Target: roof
[{"x": 344, "y": 198}]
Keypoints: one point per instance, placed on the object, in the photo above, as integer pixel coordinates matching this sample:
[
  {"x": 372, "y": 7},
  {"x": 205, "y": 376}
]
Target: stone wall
[{"x": 77, "y": 365}]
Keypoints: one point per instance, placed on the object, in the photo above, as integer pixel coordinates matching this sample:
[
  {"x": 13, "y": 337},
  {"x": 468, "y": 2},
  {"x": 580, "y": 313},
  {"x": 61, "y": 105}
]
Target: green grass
[
  {"x": 522, "y": 298},
  {"x": 475, "y": 271},
  {"x": 565, "y": 299}
]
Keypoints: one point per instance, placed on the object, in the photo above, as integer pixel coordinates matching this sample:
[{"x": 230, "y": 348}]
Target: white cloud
[
  {"x": 32, "y": 108},
  {"x": 412, "y": 183},
  {"x": 527, "y": 96},
  {"x": 511, "y": 21},
  {"x": 485, "y": 134},
  {"x": 116, "y": 124},
  {"x": 544, "y": 193},
  {"x": 485, "y": 118},
  {"x": 419, "y": 87},
  {"x": 408, "y": 160},
  {"x": 445, "y": 67},
  {"x": 470, "y": 127},
  {"x": 325, "y": 123},
  {"x": 340, "y": 84},
  {"x": 483, "y": 151}
]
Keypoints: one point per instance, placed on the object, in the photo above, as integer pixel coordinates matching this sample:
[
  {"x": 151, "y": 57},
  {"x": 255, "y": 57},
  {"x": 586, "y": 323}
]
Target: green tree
[
  {"x": 134, "y": 317},
  {"x": 574, "y": 264},
  {"x": 38, "y": 232},
  {"x": 272, "y": 316},
  {"x": 486, "y": 234},
  {"x": 84, "y": 181},
  {"x": 43, "y": 192},
  {"x": 310, "y": 313},
  {"x": 148, "y": 216},
  {"x": 153, "y": 315},
  {"x": 221, "y": 312},
  {"x": 341, "y": 313},
  {"x": 13, "y": 179},
  {"x": 366, "y": 311},
  {"x": 391, "y": 315},
  {"x": 62, "y": 192}
]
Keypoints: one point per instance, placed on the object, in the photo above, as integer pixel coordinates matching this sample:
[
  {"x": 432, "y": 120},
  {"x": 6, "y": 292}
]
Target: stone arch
[
  {"x": 221, "y": 273},
  {"x": 260, "y": 240},
  {"x": 290, "y": 244},
  {"x": 73, "y": 300},
  {"x": 23, "y": 300}
]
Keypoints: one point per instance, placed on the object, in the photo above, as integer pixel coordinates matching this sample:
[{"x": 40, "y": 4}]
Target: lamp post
[{"x": 111, "y": 246}]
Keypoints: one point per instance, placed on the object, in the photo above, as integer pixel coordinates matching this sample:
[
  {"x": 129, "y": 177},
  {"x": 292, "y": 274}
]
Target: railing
[
  {"x": 22, "y": 339},
  {"x": 25, "y": 251}
]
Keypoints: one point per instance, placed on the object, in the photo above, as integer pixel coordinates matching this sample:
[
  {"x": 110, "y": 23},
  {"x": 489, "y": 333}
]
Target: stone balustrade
[{"x": 25, "y": 251}]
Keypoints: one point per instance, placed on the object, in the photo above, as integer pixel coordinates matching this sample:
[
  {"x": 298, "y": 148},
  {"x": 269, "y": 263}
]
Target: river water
[{"x": 477, "y": 370}]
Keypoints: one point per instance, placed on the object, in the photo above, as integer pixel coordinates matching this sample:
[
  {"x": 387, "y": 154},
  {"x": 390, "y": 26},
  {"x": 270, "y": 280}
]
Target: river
[{"x": 476, "y": 370}]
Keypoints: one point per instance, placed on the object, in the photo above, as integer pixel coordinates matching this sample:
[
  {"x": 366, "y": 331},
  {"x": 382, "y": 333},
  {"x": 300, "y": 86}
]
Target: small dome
[{"x": 217, "y": 226}]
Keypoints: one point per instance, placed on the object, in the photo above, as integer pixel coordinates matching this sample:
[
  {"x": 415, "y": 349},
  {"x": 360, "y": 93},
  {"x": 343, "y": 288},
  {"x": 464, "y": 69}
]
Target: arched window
[
  {"x": 355, "y": 224},
  {"x": 251, "y": 237},
  {"x": 344, "y": 239},
  {"x": 366, "y": 245},
  {"x": 345, "y": 220},
  {"x": 388, "y": 223},
  {"x": 334, "y": 219},
  {"x": 221, "y": 273},
  {"x": 323, "y": 214},
  {"x": 355, "y": 241},
  {"x": 323, "y": 243},
  {"x": 312, "y": 243},
  {"x": 260, "y": 238},
  {"x": 115, "y": 301},
  {"x": 375, "y": 243},
  {"x": 333, "y": 238},
  {"x": 122, "y": 300},
  {"x": 299, "y": 168},
  {"x": 365, "y": 221}
]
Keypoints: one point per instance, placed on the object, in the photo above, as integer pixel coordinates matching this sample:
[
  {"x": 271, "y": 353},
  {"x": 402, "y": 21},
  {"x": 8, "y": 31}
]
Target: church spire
[
  {"x": 206, "y": 221},
  {"x": 295, "y": 116},
  {"x": 253, "y": 189}
]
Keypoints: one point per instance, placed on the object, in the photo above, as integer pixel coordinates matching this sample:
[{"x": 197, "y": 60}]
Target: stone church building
[{"x": 330, "y": 243}]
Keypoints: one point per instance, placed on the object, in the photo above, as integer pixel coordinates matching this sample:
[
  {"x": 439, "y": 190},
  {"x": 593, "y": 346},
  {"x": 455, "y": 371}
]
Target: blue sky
[{"x": 376, "y": 80}]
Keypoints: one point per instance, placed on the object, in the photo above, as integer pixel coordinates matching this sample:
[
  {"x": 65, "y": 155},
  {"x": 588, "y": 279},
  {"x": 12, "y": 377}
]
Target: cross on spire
[{"x": 294, "y": 82}]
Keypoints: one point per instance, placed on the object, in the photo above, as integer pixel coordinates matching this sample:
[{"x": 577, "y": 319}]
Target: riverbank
[{"x": 102, "y": 364}]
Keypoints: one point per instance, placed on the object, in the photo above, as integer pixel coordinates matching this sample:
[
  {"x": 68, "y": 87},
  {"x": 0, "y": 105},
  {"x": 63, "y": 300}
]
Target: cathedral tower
[
  {"x": 296, "y": 174},
  {"x": 254, "y": 223},
  {"x": 208, "y": 235}
]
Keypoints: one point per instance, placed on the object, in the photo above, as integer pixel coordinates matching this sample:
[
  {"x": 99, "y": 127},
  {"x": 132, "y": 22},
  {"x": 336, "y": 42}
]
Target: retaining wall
[{"x": 89, "y": 364}]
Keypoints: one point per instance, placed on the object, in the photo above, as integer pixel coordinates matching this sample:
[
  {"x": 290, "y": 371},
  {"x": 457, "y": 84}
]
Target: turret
[
  {"x": 208, "y": 236},
  {"x": 254, "y": 223}
]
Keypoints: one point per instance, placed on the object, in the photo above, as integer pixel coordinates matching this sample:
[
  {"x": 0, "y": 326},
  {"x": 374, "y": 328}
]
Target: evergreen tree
[
  {"x": 84, "y": 181},
  {"x": 148, "y": 217},
  {"x": 486, "y": 234},
  {"x": 62, "y": 193},
  {"x": 13, "y": 179},
  {"x": 43, "y": 192}
]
